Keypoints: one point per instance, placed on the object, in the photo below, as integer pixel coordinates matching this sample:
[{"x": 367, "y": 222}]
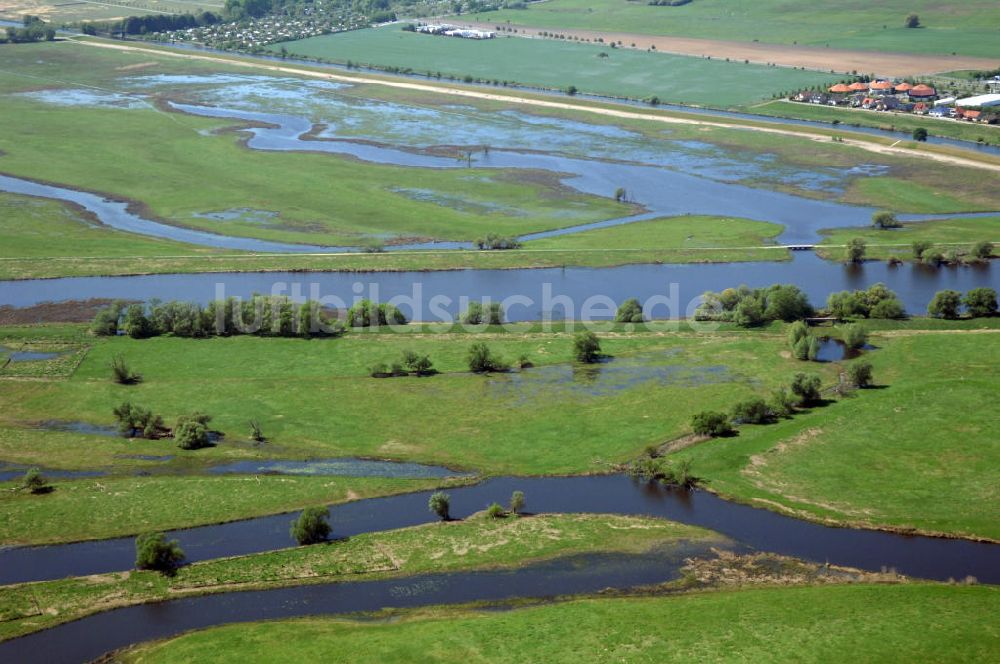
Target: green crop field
[
  {"x": 967, "y": 28},
  {"x": 873, "y": 622},
  {"x": 622, "y": 73}
]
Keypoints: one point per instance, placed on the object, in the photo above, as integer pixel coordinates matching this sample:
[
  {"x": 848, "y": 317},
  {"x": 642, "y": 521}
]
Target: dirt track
[
  {"x": 471, "y": 93},
  {"x": 810, "y": 57}
]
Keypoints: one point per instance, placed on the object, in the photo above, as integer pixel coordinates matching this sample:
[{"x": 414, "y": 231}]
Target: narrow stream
[{"x": 927, "y": 557}]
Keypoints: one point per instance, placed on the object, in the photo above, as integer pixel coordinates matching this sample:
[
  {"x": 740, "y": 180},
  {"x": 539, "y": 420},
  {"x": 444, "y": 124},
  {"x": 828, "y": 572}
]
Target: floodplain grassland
[
  {"x": 804, "y": 624},
  {"x": 916, "y": 452},
  {"x": 592, "y": 68},
  {"x": 479, "y": 542},
  {"x": 947, "y": 234},
  {"x": 965, "y": 28}
]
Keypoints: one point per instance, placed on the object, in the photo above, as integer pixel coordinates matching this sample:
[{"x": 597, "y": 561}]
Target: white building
[{"x": 980, "y": 100}]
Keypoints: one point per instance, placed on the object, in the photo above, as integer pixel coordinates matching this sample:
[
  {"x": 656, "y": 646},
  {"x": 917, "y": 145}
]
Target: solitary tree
[
  {"x": 711, "y": 423},
  {"x": 191, "y": 432},
  {"x": 586, "y": 347},
  {"x": 982, "y": 249},
  {"x": 806, "y": 388},
  {"x": 440, "y": 504},
  {"x": 912, "y": 21},
  {"x": 35, "y": 482},
  {"x": 883, "y": 220},
  {"x": 495, "y": 511},
  {"x": 629, "y": 311},
  {"x": 517, "y": 502},
  {"x": 981, "y": 302},
  {"x": 945, "y": 304},
  {"x": 919, "y": 247},
  {"x": 855, "y": 336},
  {"x": 796, "y": 332},
  {"x": 752, "y": 411},
  {"x": 482, "y": 359},
  {"x": 153, "y": 551},
  {"x": 920, "y": 134},
  {"x": 860, "y": 374},
  {"x": 121, "y": 373},
  {"x": 855, "y": 250},
  {"x": 311, "y": 527}
]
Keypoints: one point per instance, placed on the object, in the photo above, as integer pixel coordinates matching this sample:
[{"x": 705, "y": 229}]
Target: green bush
[
  {"x": 945, "y": 304},
  {"x": 440, "y": 504},
  {"x": 855, "y": 250},
  {"x": 855, "y": 336},
  {"x": 796, "y": 332},
  {"x": 482, "y": 360},
  {"x": 495, "y": 511},
  {"x": 421, "y": 365},
  {"x": 711, "y": 423},
  {"x": 782, "y": 402},
  {"x": 630, "y": 311},
  {"x": 884, "y": 220},
  {"x": 35, "y": 482},
  {"x": 517, "y": 502},
  {"x": 477, "y": 314},
  {"x": 981, "y": 302},
  {"x": 806, "y": 387},
  {"x": 919, "y": 248},
  {"x": 191, "y": 432},
  {"x": 860, "y": 374},
  {"x": 586, "y": 347},
  {"x": 752, "y": 411},
  {"x": 154, "y": 552},
  {"x": 121, "y": 373},
  {"x": 369, "y": 314},
  {"x": 311, "y": 526},
  {"x": 138, "y": 422},
  {"x": 982, "y": 250}
]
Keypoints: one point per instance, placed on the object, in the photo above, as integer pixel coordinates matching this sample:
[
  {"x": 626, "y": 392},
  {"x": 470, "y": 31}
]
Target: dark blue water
[
  {"x": 927, "y": 557},
  {"x": 555, "y": 293}
]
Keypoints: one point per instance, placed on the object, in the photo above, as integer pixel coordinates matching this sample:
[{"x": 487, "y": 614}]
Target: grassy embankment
[
  {"x": 962, "y": 28},
  {"x": 923, "y": 466},
  {"x": 475, "y": 543},
  {"x": 964, "y": 131},
  {"x": 916, "y": 452},
  {"x": 69, "y": 246},
  {"x": 617, "y": 73},
  {"x": 805, "y": 624}
]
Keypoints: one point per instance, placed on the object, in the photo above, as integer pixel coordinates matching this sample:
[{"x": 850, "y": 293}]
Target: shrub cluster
[
  {"x": 749, "y": 307},
  {"x": 875, "y": 302},
  {"x": 411, "y": 363},
  {"x": 477, "y": 314},
  {"x": 262, "y": 315},
  {"x": 498, "y": 242},
  {"x": 482, "y": 359},
  {"x": 978, "y": 303}
]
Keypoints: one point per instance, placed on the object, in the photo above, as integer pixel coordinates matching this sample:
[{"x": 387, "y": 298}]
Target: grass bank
[
  {"x": 914, "y": 453},
  {"x": 947, "y": 234},
  {"x": 805, "y": 624},
  {"x": 475, "y": 543}
]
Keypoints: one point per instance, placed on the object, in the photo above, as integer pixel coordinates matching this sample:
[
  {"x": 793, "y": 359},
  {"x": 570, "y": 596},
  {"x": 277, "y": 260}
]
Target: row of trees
[
  {"x": 440, "y": 504},
  {"x": 33, "y": 29},
  {"x": 978, "y": 303},
  {"x": 411, "y": 364},
  {"x": 877, "y": 301},
  {"x": 749, "y": 307},
  {"x": 261, "y": 315},
  {"x": 499, "y": 242},
  {"x": 803, "y": 391},
  {"x": 922, "y": 250}
]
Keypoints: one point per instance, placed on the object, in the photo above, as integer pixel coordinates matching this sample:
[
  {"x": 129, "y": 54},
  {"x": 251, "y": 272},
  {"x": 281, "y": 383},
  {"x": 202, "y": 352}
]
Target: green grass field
[
  {"x": 871, "y": 622},
  {"x": 914, "y": 453},
  {"x": 847, "y": 117},
  {"x": 623, "y": 73},
  {"x": 949, "y": 234},
  {"x": 475, "y": 543},
  {"x": 965, "y": 28}
]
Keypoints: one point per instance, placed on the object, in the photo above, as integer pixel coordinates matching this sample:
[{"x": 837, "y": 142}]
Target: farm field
[
  {"x": 100, "y": 10},
  {"x": 883, "y": 622},
  {"x": 619, "y": 73},
  {"x": 966, "y": 28}
]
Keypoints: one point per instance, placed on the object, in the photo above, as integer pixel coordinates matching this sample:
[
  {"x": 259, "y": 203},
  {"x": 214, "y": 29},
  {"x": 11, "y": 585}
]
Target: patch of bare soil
[
  {"x": 783, "y": 55},
  {"x": 73, "y": 311}
]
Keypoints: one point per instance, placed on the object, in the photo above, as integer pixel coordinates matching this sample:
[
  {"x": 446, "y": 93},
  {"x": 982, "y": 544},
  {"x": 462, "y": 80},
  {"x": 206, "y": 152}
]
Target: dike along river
[
  {"x": 746, "y": 527},
  {"x": 555, "y": 293}
]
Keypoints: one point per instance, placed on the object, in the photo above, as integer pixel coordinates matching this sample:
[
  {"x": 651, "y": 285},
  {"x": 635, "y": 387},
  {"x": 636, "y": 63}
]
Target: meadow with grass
[
  {"x": 884, "y": 622},
  {"x": 593, "y": 68},
  {"x": 965, "y": 28}
]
